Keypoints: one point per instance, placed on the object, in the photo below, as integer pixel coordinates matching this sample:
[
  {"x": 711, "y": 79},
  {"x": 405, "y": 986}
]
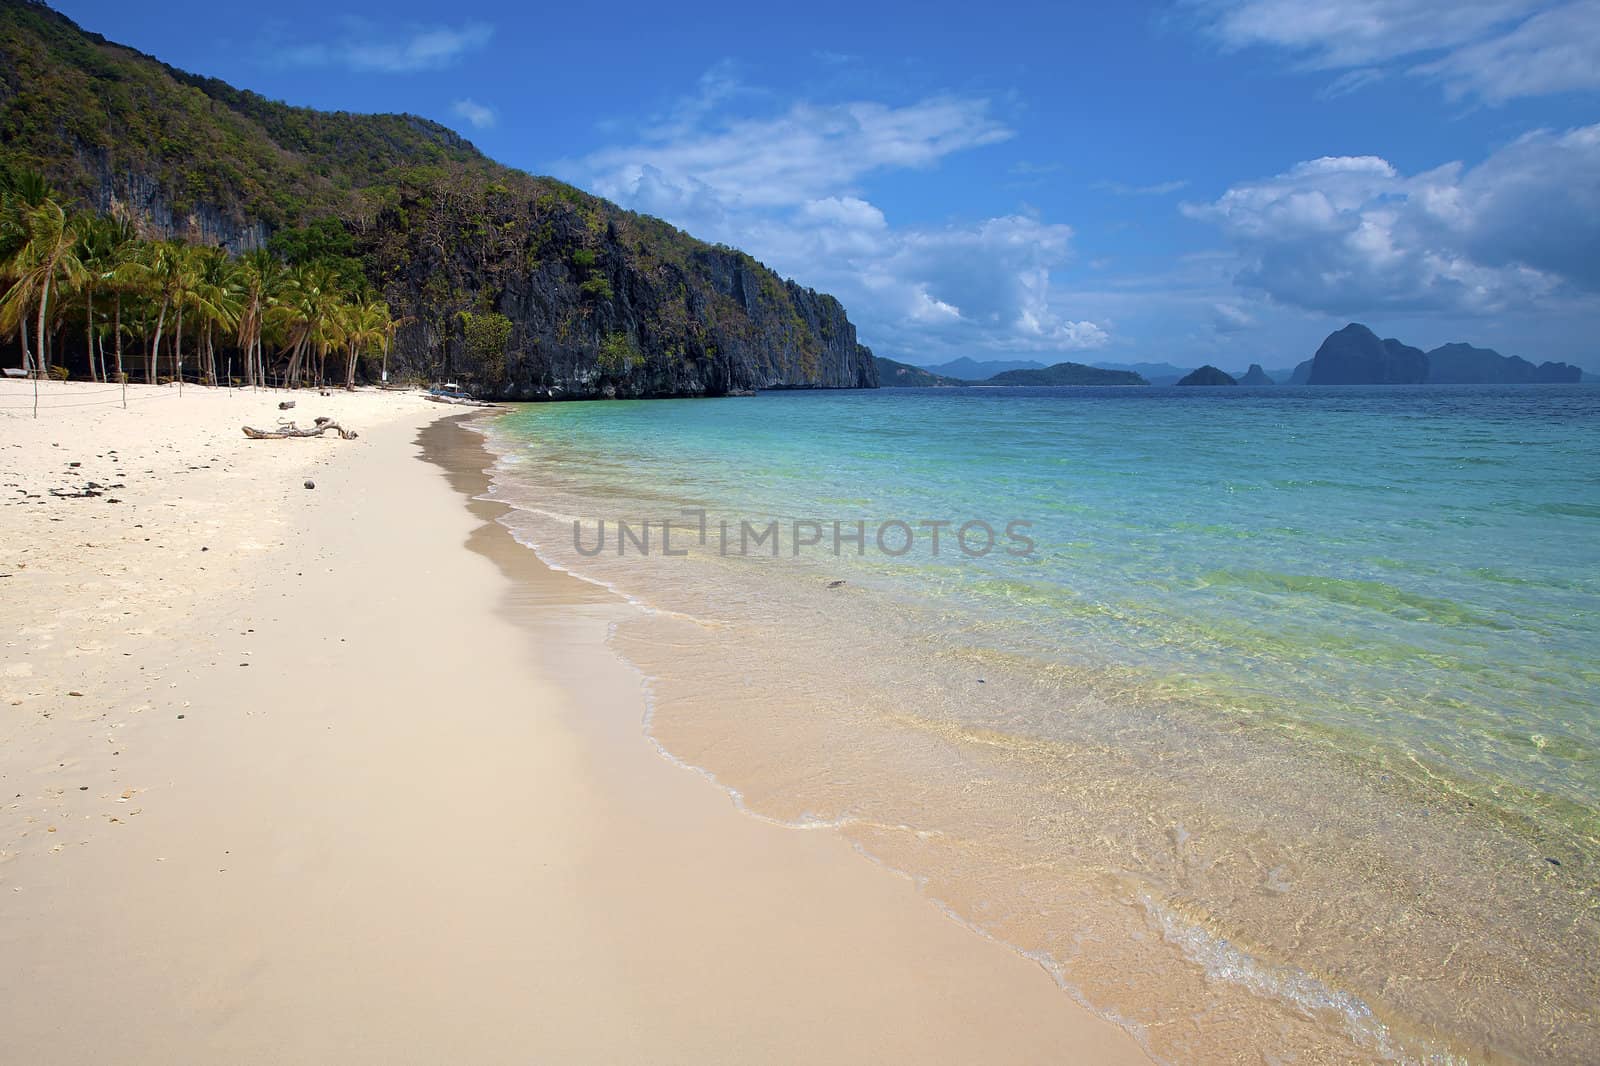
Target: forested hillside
[{"x": 524, "y": 286}]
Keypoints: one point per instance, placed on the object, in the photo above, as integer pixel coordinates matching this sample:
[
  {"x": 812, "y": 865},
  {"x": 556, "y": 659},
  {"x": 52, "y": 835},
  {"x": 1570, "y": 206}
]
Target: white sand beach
[{"x": 344, "y": 774}]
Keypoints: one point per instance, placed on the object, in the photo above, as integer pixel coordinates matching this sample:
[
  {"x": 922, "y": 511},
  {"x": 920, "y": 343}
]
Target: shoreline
[{"x": 344, "y": 859}]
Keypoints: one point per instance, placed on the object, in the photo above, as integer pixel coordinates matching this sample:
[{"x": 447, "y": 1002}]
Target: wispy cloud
[
  {"x": 805, "y": 152},
  {"x": 1025, "y": 169},
  {"x": 480, "y": 116},
  {"x": 1229, "y": 318},
  {"x": 1495, "y": 50},
  {"x": 364, "y": 46},
  {"x": 1164, "y": 188},
  {"x": 783, "y": 180},
  {"x": 1554, "y": 51}
]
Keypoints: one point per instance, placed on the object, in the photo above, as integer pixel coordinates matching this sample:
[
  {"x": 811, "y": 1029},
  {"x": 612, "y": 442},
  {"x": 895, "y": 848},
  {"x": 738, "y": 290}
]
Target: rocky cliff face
[
  {"x": 1355, "y": 356},
  {"x": 1256, "y": 377},
  {"x": 600, "y": 303}
]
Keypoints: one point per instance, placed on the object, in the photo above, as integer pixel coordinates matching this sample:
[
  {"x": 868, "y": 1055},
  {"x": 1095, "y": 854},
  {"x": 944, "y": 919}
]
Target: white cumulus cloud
[
  {"x": 786, "y": 185},
  {"x": 1353, "y": 235}
]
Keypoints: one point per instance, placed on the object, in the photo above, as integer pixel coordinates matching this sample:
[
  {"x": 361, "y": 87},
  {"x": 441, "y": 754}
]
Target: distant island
[
  {"x": 1067, "y": 374},
  {"x": 969, "y": 369},
  {"x": 1209, "y": 375},
  {"x": 1462, "y": 364},
  {"x": 1353, "y": 355},
  {"x": 904, "y": 375}
]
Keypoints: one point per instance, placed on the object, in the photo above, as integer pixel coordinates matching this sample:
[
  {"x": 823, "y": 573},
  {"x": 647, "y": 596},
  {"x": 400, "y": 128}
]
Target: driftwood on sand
[
  {"x": 460, "y": 401},
  {"x": 289, "y": 429}
]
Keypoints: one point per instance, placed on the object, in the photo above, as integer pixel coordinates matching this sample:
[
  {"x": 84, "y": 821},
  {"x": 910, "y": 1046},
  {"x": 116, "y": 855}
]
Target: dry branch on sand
[{"x": 289, "y": 429}]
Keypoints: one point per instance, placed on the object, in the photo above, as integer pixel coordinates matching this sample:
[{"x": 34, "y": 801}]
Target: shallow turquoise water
[
  {"x": 1411, "y": 569},
  {"x": 1282, "y": 742}
]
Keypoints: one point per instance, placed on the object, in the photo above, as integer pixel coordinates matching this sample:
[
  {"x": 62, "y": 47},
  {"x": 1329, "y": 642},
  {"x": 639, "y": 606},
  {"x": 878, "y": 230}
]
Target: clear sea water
[{"x": 1292, "y": 712}]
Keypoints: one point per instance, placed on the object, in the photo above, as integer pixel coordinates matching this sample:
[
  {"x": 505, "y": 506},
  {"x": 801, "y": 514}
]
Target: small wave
[{"x": 1223, "y": 961}]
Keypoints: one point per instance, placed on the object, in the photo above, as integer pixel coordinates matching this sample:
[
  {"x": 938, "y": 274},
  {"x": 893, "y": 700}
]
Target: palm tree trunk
[
  {"x": 27, "y": 356},
  {"x": 154, "y": 354},
  {"x": 44, "y": 302},
  {"x": 116, "y": 325},
  {"x": 88, "y": 320},
  {"x": 177, "y": 346}
]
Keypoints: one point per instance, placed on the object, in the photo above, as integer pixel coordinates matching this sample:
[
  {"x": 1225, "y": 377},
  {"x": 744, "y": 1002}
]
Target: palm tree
[
  {"x": 262, "y": 278},
  {"x": 307, "y": 313},
  {"x": 45, "y": 259},
  {"x": 103, "y": 244},
  {"x": 20, "y": 192},
  {"x": 185, "y": 278},
  {"x": 216, "y": 296},
  {"x": 121, "y": 245},
  {"x": 157, "y": 273},
  {"x": 364, "y": 325},
  {"x": 391, "y": 326}
]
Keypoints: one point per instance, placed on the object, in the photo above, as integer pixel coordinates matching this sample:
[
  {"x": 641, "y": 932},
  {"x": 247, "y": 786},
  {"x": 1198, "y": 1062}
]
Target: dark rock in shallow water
[
  {"x": 1355, "y": 356},
  {"x": 1209, "y": 375},
  {"x": 1255, "y": 376}
]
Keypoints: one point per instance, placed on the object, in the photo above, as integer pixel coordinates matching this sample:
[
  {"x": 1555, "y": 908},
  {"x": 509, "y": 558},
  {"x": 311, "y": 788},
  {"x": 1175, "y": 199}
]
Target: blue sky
[{"x": 1196, "y": 181}]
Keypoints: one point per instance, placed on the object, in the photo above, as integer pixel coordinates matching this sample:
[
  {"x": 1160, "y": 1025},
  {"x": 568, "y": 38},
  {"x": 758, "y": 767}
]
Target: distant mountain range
[{"x": 1353, "y": 355}]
